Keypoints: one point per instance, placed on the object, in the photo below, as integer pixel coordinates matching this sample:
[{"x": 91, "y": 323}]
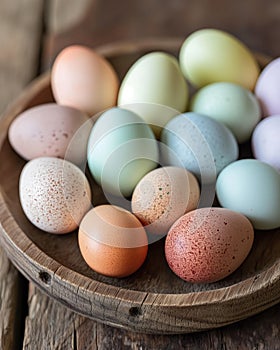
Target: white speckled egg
[
  {"x": 54, "y": 194},
  {"x": 162, "y": 196}
]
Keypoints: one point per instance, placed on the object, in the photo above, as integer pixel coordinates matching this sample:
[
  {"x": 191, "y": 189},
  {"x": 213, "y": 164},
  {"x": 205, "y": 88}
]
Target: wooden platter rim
[{"x": 17, "y": 240}]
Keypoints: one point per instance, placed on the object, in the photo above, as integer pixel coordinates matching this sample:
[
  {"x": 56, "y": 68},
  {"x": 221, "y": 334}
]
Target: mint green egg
[
  {"x": 121, "y": 150},
  {"x": 251, "y": 188},
  {"x": 230, "y": 104}
]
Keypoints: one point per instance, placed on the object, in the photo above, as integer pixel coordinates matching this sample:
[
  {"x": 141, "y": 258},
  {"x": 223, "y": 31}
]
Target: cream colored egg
[
  {"x": 155, "y": 89},
  {"x": 83, "y": 79},
  {"x": 54, "y": 194},
  {"x": 162, "y": 196}
]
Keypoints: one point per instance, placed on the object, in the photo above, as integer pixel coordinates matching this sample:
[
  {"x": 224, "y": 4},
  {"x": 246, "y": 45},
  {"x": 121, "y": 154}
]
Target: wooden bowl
[{"x": 153, "y": 300}]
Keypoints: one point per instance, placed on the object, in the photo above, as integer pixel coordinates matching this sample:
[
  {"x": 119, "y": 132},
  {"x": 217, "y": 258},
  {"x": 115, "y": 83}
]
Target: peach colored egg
[
  {"x": 51, "y": 130},
  {"x": 208, "y": 244},
  {"x": 112, "y": 241},
  {"x": 54, "y": 194},
  {"x": 83, "y": 79},
  {"x": 162, "y": 196}
]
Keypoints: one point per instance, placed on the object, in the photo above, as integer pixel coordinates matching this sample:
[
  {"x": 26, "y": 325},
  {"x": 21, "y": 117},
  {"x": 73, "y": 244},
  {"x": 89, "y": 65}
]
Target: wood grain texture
[
  {"x": 153, "y": 300},
  {"x": 256, "y": 22},
  {"x": 64, "y": 14},
  {"x": 20, "y": 30},
  {"x": 50, "y": 325},
  {"x": 20, "y": 37}
]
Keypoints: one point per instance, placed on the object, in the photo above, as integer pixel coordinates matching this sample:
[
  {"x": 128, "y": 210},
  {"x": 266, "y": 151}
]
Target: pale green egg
[
  {"x": 230, "y": 104},
  {"x": 212, "y": 55},
  {"x": 252, "y": 188},
  {"x": 121, "y": 150},
  {"x": 154, "y": 88}
]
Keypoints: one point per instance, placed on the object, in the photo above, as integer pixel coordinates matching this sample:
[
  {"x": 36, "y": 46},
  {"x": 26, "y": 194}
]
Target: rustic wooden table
[{"x": 31, "y": 33}]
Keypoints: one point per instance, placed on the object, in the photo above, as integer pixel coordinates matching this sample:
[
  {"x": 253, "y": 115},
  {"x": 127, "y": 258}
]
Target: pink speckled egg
[
  {"x": 208, "y": 244},
  {"x": 51, "y": 130},
  {"x": 54, "y": 194},
  {"x": 162, "y": 196},
  {"x": 267, "y": 88}
]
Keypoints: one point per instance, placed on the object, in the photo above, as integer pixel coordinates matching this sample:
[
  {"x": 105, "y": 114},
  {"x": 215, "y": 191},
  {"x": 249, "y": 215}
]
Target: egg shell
[
  {"x": 266, "y": 141},
  {"x": 252, "y": 188},
  {"x": 112, "y": 241},
  {"x": 121, "y": 150},
  {"x": 198, "y": 143},
  {"x": 54, "y": 194},
  {"x": 208, "y": 244},
  {"x": 162, "y": 196},
  {"x": 50, "y": 130},
  {"x": 211, "y": 55},
  {"x": 230, "y": 104},
  {"x": 83, "y": 79},
  {"x": 153, "y": 82},
  {"x": 267, "y": 88}
]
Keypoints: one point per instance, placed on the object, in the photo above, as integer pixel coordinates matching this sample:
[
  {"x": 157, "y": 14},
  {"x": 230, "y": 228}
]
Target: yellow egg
[{"x": 211, "y": 55}]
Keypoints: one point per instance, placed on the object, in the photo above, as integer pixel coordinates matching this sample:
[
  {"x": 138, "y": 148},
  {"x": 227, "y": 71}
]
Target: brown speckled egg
[
  {"x": 208, "y": 244},
  {"x": 112, "y": 241},
  {"x": 54, "y": 194},
  {"x": 47, "y": 130},
  {"x": 162, "y": 196}
]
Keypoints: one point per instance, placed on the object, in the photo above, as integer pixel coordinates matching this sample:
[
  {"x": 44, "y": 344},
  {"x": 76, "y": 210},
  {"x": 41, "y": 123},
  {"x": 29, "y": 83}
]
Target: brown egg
[
  {"x": 83, "y": 79},
  {"x": 112, "y": 241},
  {"x": 162, "y": 196},
  {"x": 207, "y": 244}
]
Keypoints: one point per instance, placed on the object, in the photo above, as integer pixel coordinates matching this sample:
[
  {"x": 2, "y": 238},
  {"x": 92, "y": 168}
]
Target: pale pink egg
[{"x": 83, "y": 79}]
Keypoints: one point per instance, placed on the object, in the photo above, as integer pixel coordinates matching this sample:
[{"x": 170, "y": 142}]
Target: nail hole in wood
[
  {"x": 45, "y": 277},
  {"x": 135, "y": 311}
]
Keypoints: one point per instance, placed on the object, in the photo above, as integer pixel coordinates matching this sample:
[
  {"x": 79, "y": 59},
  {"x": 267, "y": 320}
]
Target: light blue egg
[
  {"x": 199, "y": 144},
  {"x": 252, "y": 188}
]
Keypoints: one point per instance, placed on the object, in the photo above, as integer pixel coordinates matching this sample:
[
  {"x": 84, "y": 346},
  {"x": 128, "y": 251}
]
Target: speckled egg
[
  {"x": 112, "y": 241},
  {"x": 50, "y": 130},
  {"x": 198, "y": 143},
  {"x": 208, "y": 244},
  {"x": 54, "y": 194},
  {"x": 162, "y": 196}
]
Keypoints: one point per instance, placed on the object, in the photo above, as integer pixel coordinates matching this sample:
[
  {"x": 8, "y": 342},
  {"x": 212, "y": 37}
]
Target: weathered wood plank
[
  {"x": 72, "y": 11},
  {"x": 20, "y": 35},
  {"x": 50, "y": 325}
]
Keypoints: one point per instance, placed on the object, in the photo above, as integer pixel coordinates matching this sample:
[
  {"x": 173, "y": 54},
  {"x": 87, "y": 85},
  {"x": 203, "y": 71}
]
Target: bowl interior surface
[{"x": 155, "y": 275}]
